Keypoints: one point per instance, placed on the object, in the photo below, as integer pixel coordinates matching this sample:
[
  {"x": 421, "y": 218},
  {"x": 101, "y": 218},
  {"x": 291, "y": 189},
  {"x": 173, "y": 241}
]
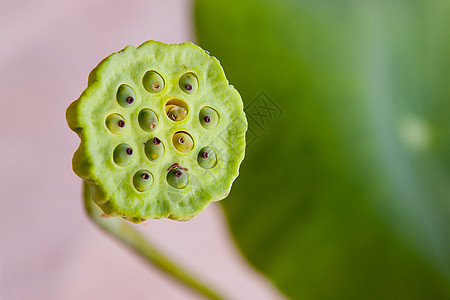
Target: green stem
[{"x": 123, "y": 232}]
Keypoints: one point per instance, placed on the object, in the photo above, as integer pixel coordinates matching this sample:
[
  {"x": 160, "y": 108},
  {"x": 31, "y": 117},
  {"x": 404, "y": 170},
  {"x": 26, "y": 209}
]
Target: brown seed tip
[
  {"x": 129, "y": 151},
  {"x": 205, "y": 154},
  {"x": 207, "y": 119},
  {"x": 153, "y": 125},
  {"x": 188, "y": 86},
  {"x": 181, "y": 140},
  {"x": 130, "y": 100},
  {"x": 145, "y": 176},
  {"x": 177, "y": 173},
  {"x": 174, "y": 117},
  {"x": 155, "y": 86},
  {"x": 121, "y": 123},
  {"x": 156, "y": 141}
]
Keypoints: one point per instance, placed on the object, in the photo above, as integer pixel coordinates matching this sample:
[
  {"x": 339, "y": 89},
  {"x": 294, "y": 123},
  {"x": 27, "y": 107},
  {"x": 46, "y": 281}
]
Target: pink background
[{"x": 48, "y": 248}]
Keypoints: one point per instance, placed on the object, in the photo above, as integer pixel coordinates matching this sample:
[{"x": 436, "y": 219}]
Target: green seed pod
[
  {"x": 208, "y": 117},
  {"x": 125, "y": 96},
  {"x": 153, "y": 82},
  {"x": 177, "y": 178},
  {"x": 115, "y": 123},
  {"x": 207, "y": 158},
  {"x": 177, "y": 113},
  {"x": 154, "y": 149},
  {"x": 123, "y": 154},
  {"x": 182, "y": 141},
  {"x": 148, "y": 120},
  {"x": 115, "y": 175},
  {"x": 142, "y": 180},
  {"x": 189, "y": 83}
]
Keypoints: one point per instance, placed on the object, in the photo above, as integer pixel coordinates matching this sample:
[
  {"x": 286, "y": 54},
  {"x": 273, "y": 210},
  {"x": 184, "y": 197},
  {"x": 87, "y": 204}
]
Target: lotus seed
[
  {"x": 207, "y": 158},
  {"x": 142, "y": 180},
  {"x": 153, "y": 82},
  {"x": 177, "y": 178},
  {"x": 208, "y": 117},
  {"x": 125, "y": 96},
  {"x": 182, "y": 141},
  {"x": 147, "y": 119},
  {"x": 154, "y": 149},
  {"x": 115, "y": 123},
  {"x": 123, "y": 154},
  {"x": 189, "y": 83},
  {"x": 177, "y": 113}
]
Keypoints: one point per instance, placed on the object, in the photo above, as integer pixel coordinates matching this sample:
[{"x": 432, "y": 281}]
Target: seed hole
[
  {"x": 142, "y": 180},
  {"x": 176, "y": 110},
  {"x": 207, "y": 158},
  {"x": 125, "y": 96},
  {"x": 208, "y": 117},
  {"x": 153, "y": 82},
  {"x": 115, "y": 123},
  {"x": 148, "y": 120},
  {"x": 177, "y": 178},
  {"x": 122, "y": 155},
  {"x": 189, "y": 83},
  {"x": 154, "y": 149},
  {"x": 182, "y": 141}
]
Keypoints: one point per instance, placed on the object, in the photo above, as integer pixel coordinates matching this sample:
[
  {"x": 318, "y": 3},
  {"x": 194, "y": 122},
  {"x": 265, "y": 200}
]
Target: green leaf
[{"x": 345, "y": 189}]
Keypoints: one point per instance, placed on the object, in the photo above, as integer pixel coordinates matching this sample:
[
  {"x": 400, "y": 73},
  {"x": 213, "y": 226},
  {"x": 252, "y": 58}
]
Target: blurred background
[{"x": 345, "y": 189}]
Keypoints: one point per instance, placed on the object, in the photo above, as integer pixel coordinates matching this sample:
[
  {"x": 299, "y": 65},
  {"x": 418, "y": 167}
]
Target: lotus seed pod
[
  {"x": 153, "y": 82},
  {"x": 148, "y": 120},
  {"x": 177, "y": 113},
  {"x": 115, "y": 123},
  {"x": 142, "y": 180},
  {"x": 139, "y": 175},
  {"x": 125, "y": 96},
  {"x": 208, "y": 117},
  {"x": 182, "y": 141},
  {"x": 189, "y": 83},
  {"x": 177, "y": 178},
  {"x": 207, "y": 158},
  {"x": 123, "y": 154},
  {"x": 154, "y": 149}
]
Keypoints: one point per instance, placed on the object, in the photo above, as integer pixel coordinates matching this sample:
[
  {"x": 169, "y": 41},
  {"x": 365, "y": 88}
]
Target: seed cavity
[
  {"x": 153, "y": 82},
  {"x": 176, "y": 110},
  {"x": 208, "y": 117},
  {"x": 182, "y": 141},
  {"x": 154, "y": 149},
  {"x": 207, "y": 158},
  {"x": 177, "y": 178},
  {"x": 142, "y": 180},
  {"x": 189, "y": 83},
  {"x": 115, "y": 123},
  {"x": 125, "y": 96},
  {"x": 148, "y": 120},
  {"x": 122, "y": 155}
]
